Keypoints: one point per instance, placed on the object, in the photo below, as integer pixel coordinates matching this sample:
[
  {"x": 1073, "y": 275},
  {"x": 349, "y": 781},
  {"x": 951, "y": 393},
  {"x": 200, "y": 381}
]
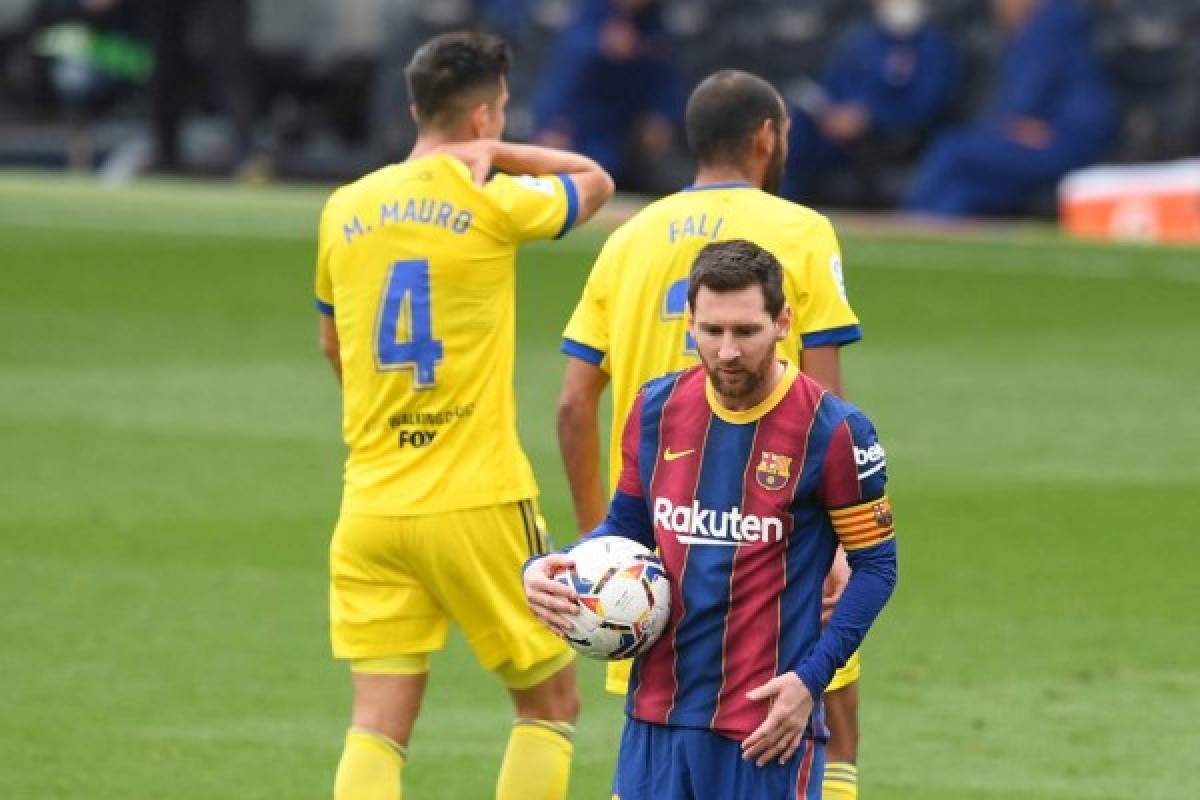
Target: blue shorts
[{"x": 659, "y": 762}]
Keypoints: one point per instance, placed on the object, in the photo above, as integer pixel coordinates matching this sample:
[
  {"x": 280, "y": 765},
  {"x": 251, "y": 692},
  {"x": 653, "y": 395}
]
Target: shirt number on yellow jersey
[
  {"x": 675, "y": 306},
  {"x": 405, "y": 329}
]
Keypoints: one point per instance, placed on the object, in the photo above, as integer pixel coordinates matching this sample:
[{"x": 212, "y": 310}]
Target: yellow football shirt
[
  {"x": 631, "y": 320},
  {"x": 416, "y": 264}
]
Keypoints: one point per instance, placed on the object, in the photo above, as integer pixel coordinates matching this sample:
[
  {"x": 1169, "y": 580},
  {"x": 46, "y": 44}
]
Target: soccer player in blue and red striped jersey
[{"x": 745, "y": 474}]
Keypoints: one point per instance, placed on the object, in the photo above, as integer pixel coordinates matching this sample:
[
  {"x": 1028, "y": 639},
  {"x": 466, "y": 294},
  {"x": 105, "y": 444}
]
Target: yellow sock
[
  {"x": 370, "y": 767},
  {"x": 537, "y": 762},
  {"x": 841, "y": 781}
]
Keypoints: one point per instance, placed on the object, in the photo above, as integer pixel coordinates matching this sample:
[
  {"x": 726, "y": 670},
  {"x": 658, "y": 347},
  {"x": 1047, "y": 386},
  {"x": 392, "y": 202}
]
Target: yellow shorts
[
  {"x": 616, "y": 680},
  {"x": 397, "y": 582},
  {"x": 847, "y": 675}
]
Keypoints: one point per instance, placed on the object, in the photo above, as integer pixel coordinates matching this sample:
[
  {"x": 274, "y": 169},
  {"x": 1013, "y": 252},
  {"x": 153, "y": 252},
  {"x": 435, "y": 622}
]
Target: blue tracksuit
[
  {"x": 596, "y": 100},
  {"x": 1051, "y": 74},
  {"x": 906, "y": 84}
]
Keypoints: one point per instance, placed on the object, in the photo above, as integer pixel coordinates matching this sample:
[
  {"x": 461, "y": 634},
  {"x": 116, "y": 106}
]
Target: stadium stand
[
  {"x": 329, "y": 96},
  {"x": 1151, "y": 49}
]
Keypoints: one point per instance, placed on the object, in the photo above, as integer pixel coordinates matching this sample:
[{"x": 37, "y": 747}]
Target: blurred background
[{"x": 313, "y": 90}]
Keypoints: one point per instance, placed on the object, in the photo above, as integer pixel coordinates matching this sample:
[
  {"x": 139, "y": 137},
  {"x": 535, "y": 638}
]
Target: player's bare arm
[
  {"x": 593, "y": 184},
  {"x": 824, "y": 365},
  {"x": 579, "y": 440},
  {"x": 329, "y": 344},
  {"x": 550, "y": 600}
]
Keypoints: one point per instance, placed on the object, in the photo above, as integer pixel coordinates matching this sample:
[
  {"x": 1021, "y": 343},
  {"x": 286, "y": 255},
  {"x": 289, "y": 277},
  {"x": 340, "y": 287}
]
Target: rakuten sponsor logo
[{"x": 695, "y": 525}]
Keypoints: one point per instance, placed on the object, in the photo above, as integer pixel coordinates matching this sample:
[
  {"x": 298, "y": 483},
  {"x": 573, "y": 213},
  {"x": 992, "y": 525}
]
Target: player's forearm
[
  {"x": 579, "y": 444},
  {"x": 593, "y": 184},
  {"x": 627, "y": 516},
  {"x": 335, "y": 361},
  {"x": 534, "y": 159},
  {"x": 579, "y": 439},
  {"x": 872, "y": 579},
  {"x": 331, "y": 345},
  {"x": 587, "y": 488}
]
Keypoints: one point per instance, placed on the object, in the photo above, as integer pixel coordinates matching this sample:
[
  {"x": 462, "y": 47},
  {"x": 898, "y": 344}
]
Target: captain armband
[{"x": 864, "y": 525}]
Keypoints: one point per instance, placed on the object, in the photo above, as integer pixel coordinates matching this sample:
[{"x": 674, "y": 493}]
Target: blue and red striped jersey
[{"x": 747, "y": 509}]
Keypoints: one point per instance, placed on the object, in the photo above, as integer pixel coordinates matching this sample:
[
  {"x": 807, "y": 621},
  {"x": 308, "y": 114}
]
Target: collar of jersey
[
  {"x": 451, "y": 161},
  {"x": 704, "y": 187},
  {"x": 756, "y": 412}
]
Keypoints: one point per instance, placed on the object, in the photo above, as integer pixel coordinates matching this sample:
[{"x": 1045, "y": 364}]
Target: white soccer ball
[{"x": 624, "y": 597}]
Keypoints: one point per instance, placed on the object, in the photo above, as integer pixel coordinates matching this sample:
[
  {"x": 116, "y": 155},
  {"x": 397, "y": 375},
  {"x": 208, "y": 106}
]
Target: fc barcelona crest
[{"x": 773, "y": 471}]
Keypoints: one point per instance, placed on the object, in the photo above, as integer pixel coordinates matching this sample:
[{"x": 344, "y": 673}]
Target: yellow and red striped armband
[{"x": 864, "y": 525}]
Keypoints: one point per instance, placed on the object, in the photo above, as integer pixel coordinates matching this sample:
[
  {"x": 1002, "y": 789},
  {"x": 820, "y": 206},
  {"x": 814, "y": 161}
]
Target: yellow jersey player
[
  {"x": 630, "y": 325},
  {"x": 415, "y": 285}
]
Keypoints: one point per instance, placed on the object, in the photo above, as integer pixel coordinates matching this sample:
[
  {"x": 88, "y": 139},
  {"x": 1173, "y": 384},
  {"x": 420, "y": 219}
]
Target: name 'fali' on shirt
[{"x": 695, "y": 226}]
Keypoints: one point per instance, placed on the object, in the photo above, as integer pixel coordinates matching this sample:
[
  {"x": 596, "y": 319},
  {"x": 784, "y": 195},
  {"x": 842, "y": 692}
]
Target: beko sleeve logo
[{"x": 873, "y": 459}]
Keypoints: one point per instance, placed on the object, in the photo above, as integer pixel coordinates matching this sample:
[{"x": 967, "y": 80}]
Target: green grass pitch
[{"x": 170, "y": 469}]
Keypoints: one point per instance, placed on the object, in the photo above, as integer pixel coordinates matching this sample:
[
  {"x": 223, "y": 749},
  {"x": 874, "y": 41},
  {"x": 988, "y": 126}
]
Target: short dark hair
[
  {"x": 447, "y": 69},
  {"x": 724, "y": 110},
  {"x": 735, "y": 264}
]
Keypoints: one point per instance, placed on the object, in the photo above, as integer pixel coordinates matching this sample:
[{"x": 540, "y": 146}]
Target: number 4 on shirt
[
  {"x": 406, "y": 297},
  {"x": 675, "y": 307}
]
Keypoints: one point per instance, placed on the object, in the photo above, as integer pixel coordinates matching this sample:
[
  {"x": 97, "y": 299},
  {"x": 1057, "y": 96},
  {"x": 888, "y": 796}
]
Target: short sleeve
[
  {"x": 324, "y": 279},
  {"x": 537, "y": 207},
  {"x": 853, "y": 485},
  {"x": 821, "y": 311},
  {"x": 586, "y": 336}
]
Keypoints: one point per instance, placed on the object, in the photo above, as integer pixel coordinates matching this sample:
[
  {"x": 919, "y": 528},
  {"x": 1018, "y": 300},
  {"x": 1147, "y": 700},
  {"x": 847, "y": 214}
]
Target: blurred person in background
[
  {"x": 225, "y": 27},
  {"x": 100, "y": 47},
  {"x": 93, "y": 45},
  {"x": 97, "y": 54},
  {"x": 611, "y": 90},
  {"x": 1052, "y": 113},
  {"x": 889, "y": 82}
]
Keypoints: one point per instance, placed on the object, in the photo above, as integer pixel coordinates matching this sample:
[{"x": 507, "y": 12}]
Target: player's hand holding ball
[
  {"x": 608, "y": 596},
  {"x": 551, "y": 601}
]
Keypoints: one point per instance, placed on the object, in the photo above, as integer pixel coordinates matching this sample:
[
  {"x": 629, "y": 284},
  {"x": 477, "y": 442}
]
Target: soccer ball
[{"x": 624, "y": 597}]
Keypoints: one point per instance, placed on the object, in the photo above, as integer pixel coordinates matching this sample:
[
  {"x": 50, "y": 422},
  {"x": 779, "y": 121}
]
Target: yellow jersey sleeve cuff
[
  {"x": 572, "y": 195},
  {"x": 847, "y": 334},
  {"x": 579, "y": 350}
]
